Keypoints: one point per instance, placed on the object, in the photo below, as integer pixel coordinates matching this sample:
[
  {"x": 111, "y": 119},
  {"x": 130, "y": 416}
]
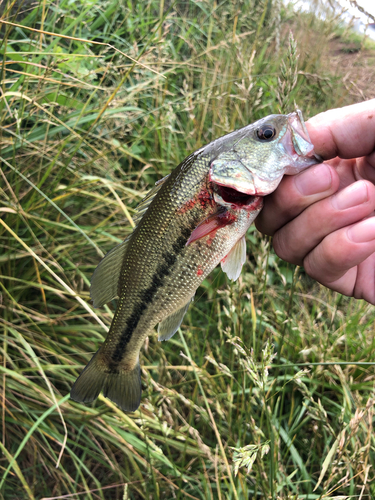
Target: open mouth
[{"x": 230, "y": 195}]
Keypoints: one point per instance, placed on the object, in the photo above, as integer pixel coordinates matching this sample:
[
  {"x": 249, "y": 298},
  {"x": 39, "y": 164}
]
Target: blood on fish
[
  {"x": 226, "y": 218},
  {"x": 187, "y": 206},
  {"x": 210, "y": 238},
  {"x": 203, "y": 198},
  {"x": 257, "y": 203},
  {"x": 199, "y": 272},
  {"x": 211, "y": 224}
]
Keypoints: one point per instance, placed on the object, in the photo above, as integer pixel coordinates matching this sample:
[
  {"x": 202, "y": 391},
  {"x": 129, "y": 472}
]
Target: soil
[{"x": 356, "y": 64}]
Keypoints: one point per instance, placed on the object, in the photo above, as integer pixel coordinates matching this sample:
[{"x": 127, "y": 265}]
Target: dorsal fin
[
  {"x": 147, "y": 200},
  {"x": 105, "y": 280}
]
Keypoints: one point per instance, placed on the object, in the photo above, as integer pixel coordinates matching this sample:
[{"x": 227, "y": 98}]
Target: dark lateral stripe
[{"x": 164, "y": 269}]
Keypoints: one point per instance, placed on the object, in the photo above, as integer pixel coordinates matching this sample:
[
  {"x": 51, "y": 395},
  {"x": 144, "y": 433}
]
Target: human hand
[{"x": 323, "y": 218}]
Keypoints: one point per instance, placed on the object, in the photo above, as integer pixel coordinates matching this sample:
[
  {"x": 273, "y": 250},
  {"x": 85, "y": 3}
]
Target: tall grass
[{"x": 268, "y": 390}]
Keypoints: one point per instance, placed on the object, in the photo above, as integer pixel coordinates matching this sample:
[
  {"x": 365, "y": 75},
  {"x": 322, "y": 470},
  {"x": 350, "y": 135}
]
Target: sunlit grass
[{"x": 273, "y": 360}]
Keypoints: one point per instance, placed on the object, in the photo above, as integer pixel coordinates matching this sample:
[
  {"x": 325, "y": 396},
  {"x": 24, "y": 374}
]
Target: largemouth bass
[{"x": 192, "y": 220}]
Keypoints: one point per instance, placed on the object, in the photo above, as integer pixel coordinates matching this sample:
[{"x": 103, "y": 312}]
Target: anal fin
[
  {"x": 233, "y": 262},
  {"x": 169, "y": 326}
]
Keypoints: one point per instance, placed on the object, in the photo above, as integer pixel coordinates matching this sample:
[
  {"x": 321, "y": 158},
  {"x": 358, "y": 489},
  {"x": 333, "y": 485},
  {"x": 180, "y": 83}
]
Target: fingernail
[
  {"x": 314, "y": 180},
  {"x": 363, "y": 232},
  {"x": 351, "y": 196}
]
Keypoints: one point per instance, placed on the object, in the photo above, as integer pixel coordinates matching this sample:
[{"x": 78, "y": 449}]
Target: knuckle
[
  {"x": 283, "y": 248},
  {"x": 323, "y": 264},
  {"x": 310, "y": 267},
  {"x": 263, "y": 224}
]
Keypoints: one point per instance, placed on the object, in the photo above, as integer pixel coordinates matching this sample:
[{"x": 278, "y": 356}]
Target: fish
[{"x": 193, "y": 219}]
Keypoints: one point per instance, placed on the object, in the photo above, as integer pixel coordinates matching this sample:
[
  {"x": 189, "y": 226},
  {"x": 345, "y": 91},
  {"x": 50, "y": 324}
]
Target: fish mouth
[
  {"x": 226, "y": 195},
  {"x": 297, "y": 142},
  {"x": 247, "y": 173}
]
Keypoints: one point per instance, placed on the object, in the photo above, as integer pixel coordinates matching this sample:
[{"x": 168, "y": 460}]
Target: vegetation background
[{"x": 268, "y": 392}]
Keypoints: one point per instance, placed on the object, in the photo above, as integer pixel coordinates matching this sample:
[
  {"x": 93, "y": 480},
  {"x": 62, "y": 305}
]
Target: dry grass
[{"x": 273, "y": 360}]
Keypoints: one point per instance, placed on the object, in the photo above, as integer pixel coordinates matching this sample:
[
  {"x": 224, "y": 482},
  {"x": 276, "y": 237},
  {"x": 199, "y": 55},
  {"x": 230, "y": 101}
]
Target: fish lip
[
  {"x": 299, "y": 143},
  {"x": 224, "y": 196},
  {"x": 254, "y": 189},
  {"x": 251, "y": 190},
  {"x": 292, "y": 148}
]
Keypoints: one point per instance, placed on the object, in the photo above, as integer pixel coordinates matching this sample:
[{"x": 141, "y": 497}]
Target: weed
[{"x": 98, "y": 100}]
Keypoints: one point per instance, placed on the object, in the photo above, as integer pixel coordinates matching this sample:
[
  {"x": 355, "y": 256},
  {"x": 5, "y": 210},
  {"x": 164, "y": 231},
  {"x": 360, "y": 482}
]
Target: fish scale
[
  {"x": 194, "y": 219},
  {"x": 154, "y": 286}
]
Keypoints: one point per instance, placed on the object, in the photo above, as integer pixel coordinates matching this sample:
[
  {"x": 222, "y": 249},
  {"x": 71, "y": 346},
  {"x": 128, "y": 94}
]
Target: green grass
[{"x": 271, "y": 363}]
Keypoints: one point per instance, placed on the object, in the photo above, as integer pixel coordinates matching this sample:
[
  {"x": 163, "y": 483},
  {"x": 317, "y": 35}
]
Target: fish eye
[{"x": 266, "y": 132}]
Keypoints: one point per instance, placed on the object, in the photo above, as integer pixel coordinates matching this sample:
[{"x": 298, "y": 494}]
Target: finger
[
  {"x": 366, "y": 167},
  {"x": 294, "y": 194},
  {"x": 297, "y": 238},
  {"x": 333, "y": 262},
  {"x": 347, "y": 132},
  {"x": 365, "y": 280}
]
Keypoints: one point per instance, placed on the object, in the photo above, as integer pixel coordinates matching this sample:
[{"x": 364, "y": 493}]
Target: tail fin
[{"x": 123, "y": 388}]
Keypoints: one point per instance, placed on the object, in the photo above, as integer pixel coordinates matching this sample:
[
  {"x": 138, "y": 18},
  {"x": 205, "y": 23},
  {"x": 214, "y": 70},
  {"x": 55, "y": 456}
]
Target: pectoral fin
[
  {"x": 233, "y": 262},
  {"x": 169, "y": 326},
  {"x": 212, "y": 223}
]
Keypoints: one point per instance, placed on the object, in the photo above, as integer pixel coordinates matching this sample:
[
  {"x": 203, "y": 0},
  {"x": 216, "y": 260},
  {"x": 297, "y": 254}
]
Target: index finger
[{"x": 347, "y": 132}]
